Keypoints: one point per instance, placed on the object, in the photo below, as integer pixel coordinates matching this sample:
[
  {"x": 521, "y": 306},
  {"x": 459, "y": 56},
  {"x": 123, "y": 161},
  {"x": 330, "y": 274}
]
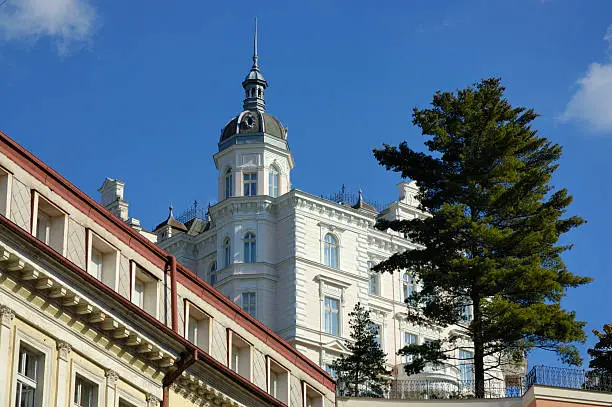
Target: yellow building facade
[{"x": 93, "y": 314}]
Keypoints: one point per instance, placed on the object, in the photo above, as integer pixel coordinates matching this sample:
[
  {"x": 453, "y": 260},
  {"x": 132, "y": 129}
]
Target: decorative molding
[
  {"x": 152, "y": 400},
  {"x": 111, "y": 378},
  {"x": 6, "y": 315},
  {"x": 64, "y": 349}
]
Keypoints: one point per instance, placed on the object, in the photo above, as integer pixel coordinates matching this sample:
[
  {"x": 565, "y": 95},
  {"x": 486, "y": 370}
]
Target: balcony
[{"x": 427, "y": 387}]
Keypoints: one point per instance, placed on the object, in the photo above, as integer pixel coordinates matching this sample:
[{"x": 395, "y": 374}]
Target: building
[
  {"x": 297, "y": 262},
  {"x": 93, "y": 314}
]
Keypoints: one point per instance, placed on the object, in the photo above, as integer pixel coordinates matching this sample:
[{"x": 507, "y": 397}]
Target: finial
[
  {"x": 170, "y": 208},
  {"x": 255, "y": 57},
  {"x": 360, "y": 196}
]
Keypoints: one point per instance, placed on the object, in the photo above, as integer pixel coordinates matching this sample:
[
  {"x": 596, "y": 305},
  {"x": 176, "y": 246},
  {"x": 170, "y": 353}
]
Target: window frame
[
  {"x": 407, "y": 285},
  {"x": 100, "y": 382},
  {"x": 306, "y": 389},
  {"x": 465, "y": 368},
  {"x": 110, "y": 259},
  {"x": 250, "y": 247},
  {"x": 212, "y": 273},
  {"x": 373, "y": 276},
  {"x": 57, "y": 230},
  {"x": 6, "y": 187},
  {"x": 273, "y": 178},
  {"x": 249, "y": 183},
  {"x": 137, "y": 272},
  {"x": 232, "y": 339},
  {"x": 331, "y": 251},
  {"x": 338, "y": 317},
  {"x": 45, "y": 352},
  {"x": 242, "y": 303},
  {"x": 227, "y": 252},
  {"x": 228, "y": 181},
  {"x": 200, "y": 315},
  {"x": 270, "y": 362},
  {"x": 405, "y": 334}
]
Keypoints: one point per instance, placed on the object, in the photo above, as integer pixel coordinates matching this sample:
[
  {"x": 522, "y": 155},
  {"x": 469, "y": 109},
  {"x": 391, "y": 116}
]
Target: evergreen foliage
[
  {"x": 491, "y": 242},
  {"x": 601, "y": 354},
  {"x": 362, "y": 373}
]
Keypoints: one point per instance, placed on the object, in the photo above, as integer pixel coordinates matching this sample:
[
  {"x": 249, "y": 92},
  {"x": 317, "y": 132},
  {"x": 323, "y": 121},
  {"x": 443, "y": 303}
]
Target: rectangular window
[
  {"x": 249, "y": 303},
  {"x": 331, "y": 371},
  {"x": 374, "y": 288},
  {"x": 466, "y": 312},
  {"x": 29, "y": 378},
  {"x": 198, "y": 329},
  {"x": 250, "y": 184},
  {"x": 85, "y": 392},
  {"x": 332, "y": 316},
  {"x": 145, "y": 290},
  {"x": 228, "y": 184},
  {"x": 50, "y": 223},
  {"x": 312, "y": 398},
  {"x": 409, "y": 339},
  {"x": 239, "y": 355},
  {"x": 5, "y": 192},
  {"x": 273, "y": 184},
  {"x": 378, "y": 331},
  {"x": 103, "y": 260},
  {"x": 278, "y": 381},
  {"x": 466, "y": 366}
]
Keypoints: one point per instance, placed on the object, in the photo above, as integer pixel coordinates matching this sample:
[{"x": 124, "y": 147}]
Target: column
[
  {"x": 63, "y": 373},
  {"x": 111, "y": 388},
  {"x": 152, "y": 401},
  {"x": 6, "y": 319}
]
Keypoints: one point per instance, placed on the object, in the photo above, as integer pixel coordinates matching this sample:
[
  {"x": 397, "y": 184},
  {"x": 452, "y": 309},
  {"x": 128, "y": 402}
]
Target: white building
[{"x": 297, "y": 262}]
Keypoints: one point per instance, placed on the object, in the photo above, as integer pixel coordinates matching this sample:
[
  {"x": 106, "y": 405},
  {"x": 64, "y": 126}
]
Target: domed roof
[{"x": 254, "y": 122}]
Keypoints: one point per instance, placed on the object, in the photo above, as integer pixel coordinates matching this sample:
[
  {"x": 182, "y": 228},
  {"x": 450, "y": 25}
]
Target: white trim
[
  {"x": 47, "y": 351},
  {"x": 100, "y": 381}
]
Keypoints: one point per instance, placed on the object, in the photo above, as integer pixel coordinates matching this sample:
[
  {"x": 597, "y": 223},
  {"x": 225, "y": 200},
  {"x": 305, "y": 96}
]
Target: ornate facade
[{"x": 93, "y": 314}]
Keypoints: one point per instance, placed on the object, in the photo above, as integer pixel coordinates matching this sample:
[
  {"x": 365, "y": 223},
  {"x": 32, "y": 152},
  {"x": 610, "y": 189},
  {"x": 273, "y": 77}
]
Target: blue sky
[{"x": 140, "y": 91}]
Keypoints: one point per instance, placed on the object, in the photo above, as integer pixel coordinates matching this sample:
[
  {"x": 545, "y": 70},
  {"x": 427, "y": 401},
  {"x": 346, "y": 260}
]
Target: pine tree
[
  {"x": 362, "y": 372},
  {"x": 491, "y": 242},
  {"x": 601, "y": 354}
]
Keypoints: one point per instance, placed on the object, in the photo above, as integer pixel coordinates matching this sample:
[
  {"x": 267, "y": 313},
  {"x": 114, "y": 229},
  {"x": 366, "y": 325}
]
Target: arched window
[
  {"x": 227, "y": 252},
  {"x": 259, "y": 92},
  {"x": 250, "y": 249},
  {"x": 229, "y": 183},
  {"x": 212, "y": 276},
  {"x": 407, "y": 286},
  {"x": 273, "y": 182},
  {"x": 330, "y": 251}
]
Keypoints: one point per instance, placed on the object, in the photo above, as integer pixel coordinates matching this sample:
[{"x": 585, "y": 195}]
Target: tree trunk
[{"x": 479, "y": 379}]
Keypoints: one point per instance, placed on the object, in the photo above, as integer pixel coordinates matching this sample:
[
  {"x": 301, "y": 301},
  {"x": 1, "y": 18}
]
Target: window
[
  {"x": 198, "y": 329},
  {"x": 249, "y": 303},
  {"x": 250, "y": 184},
  {"x": 332, "y": 316},
  {"x": 29, "y": 378},
  {"x": 466, "y": 372},
  {"x": 227, "y": 252},
  {"x": 50, "y": 223},
  {"x": 145, "y": 290},
  {"x": 239, "y": 355},
  {"x": 407, "y": 286},
  {"x": 278, "y": 381},
  {"x": 103, "y": 260},
  {"x": 5, "y": 192},
  {"x": 273, "y": 182},
  {"x": 85, "y": 392},
  {"x": 409, "y": 339},
  {"x": 250, "y": 249},
  {"x": 229, "y": 184},
  {"x": 377, "y": 328},
  {"x": 374, "y": 287},
  {"x": 312, "y": 398},
  {"x": 123, "y": 403},
  {"x": 466, "y": 311},
  {"x": 330, "y": 251},
  {"x": 212, "y": 275},
  {"x": 332, "y": 372}
]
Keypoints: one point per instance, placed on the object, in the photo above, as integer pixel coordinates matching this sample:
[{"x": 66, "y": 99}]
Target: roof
[
  {"x": 254, "y": 122},
  {"x": 172, "y": 222},
  {"x": 157, "y": 256}
]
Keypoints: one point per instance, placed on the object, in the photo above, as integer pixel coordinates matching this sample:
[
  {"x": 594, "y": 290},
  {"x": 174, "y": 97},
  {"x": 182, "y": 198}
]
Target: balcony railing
[{"x": 439, "y": 388}]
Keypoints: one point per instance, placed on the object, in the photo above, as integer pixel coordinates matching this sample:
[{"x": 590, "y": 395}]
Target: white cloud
[
  {"x": 592, "y": 102},
  {"x": 69, "y": 23}
]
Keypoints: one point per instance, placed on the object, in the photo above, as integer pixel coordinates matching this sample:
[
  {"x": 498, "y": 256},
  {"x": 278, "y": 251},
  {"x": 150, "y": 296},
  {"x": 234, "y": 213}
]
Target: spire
[
  {"x": 170, "y": 208},
  {"x": 255, "y": 57},
  {"x": 254, "y": 84}
]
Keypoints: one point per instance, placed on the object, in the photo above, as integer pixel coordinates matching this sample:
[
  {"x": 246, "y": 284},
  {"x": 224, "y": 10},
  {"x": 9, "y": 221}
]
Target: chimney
[{"x": 112, "y": 198}]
